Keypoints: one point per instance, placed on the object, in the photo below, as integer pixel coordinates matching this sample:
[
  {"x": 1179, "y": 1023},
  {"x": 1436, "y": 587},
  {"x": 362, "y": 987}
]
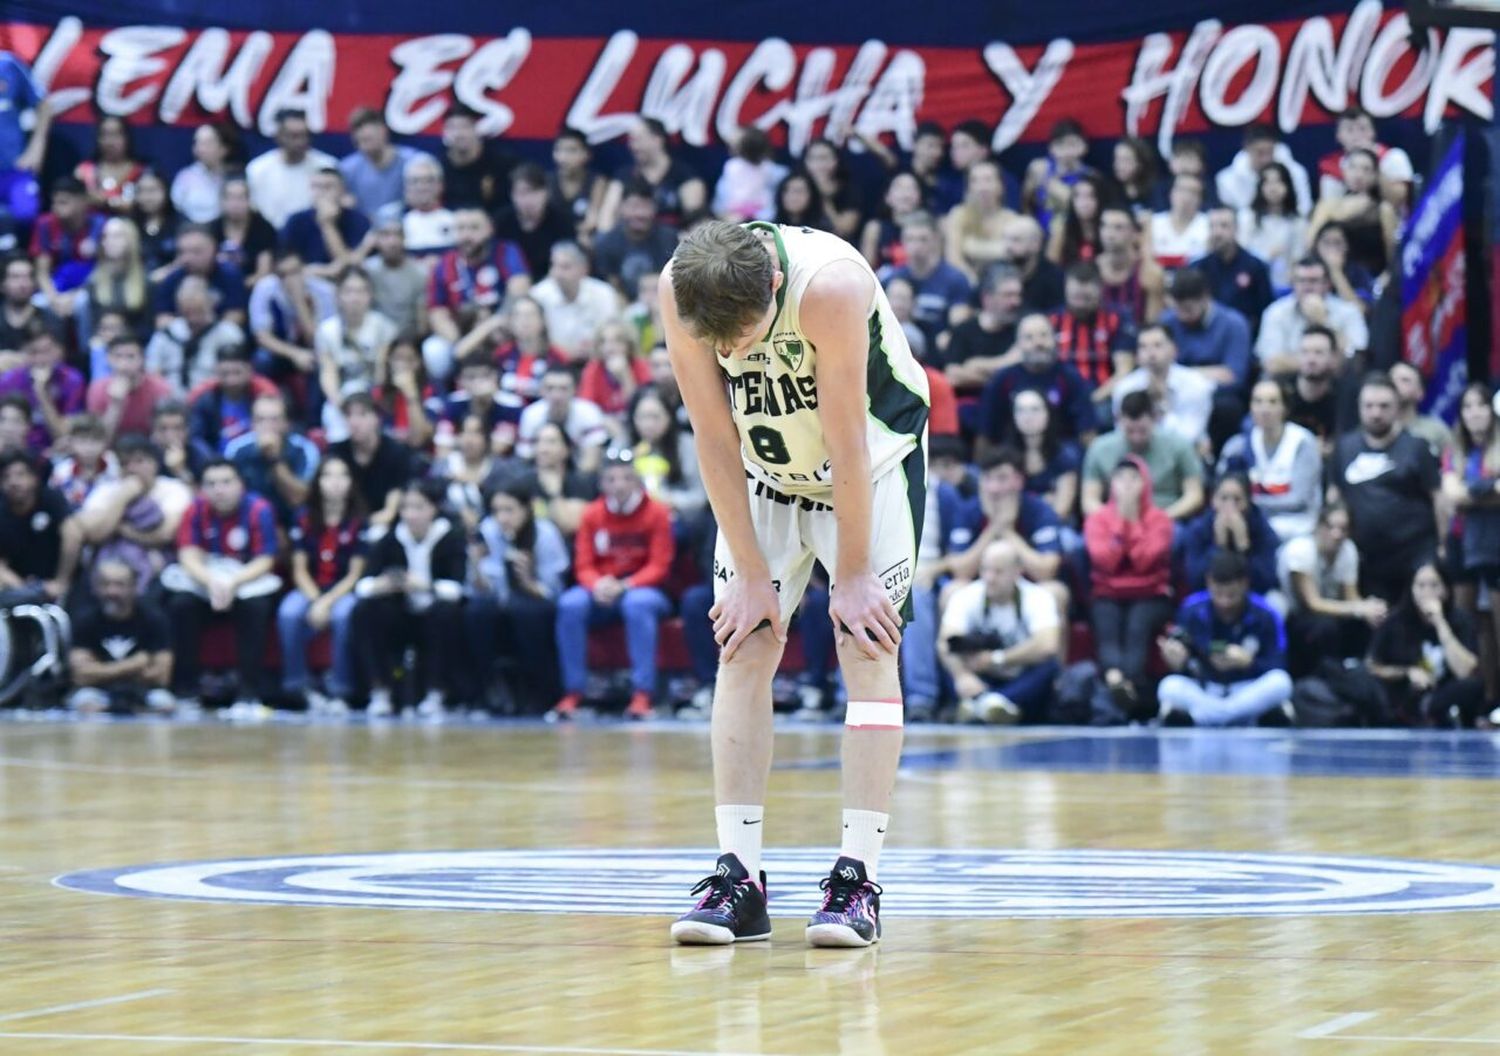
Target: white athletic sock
[
  {"x": 740, "y": 832},
  {"x": 864, "y": 835}
]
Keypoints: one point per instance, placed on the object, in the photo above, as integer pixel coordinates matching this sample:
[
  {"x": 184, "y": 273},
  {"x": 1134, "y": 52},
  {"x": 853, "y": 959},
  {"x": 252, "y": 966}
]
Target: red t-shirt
[{"x": 139, "y": 402}]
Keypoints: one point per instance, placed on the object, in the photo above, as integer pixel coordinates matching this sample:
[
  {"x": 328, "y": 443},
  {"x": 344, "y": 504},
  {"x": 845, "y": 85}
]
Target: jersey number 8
[{"x": 769, "y": 446}]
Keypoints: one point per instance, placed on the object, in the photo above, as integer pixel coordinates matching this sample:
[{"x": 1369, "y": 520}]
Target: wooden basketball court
[{"x": 104, "y": 975}]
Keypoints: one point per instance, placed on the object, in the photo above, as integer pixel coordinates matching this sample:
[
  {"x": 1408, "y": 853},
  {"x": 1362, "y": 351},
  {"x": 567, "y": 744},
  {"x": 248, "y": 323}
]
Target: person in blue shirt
[
  {"x": 1228, "y": 653},
  {"x": 21, "y": 153},
  {"x": 942, "y": 292},
  {"x": 1214, "y": 340},
  {"x": 1060, "y": 384},
  {"x": 1238, "y": 278},
  {"x": 1232, "y": 524},
  {"x": 328, "y": 236}
]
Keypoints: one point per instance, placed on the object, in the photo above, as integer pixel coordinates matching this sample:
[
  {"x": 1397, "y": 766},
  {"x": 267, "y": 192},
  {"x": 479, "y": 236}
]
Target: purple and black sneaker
[
  {"x": 732, "y": 909},
  {"x": 850, "y": 914}
]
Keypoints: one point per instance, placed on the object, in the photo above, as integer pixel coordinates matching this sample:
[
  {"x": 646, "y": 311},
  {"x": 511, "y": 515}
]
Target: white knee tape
[{"x": 874, "y": 715}]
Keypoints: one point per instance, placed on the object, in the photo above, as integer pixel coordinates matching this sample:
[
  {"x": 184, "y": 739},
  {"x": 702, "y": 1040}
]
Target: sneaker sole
[
  {"x": 696, "y": 933},
  {"x": 837, "y": 935}
]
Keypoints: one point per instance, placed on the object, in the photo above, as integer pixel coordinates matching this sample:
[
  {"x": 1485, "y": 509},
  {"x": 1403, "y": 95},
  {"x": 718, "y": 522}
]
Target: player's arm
[{"x": 834, "y": 317}]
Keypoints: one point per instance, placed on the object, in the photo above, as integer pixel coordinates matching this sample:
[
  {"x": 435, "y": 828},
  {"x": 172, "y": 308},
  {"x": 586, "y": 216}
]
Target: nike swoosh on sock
[{"x": 747, "y": 821}]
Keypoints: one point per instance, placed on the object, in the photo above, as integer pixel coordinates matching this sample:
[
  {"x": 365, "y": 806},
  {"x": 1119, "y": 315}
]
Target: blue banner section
[{"x": 1434, "y": 297}]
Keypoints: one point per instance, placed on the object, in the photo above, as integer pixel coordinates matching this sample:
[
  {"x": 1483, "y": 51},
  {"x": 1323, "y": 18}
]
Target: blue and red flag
[{"x": 1434, "y": 301}]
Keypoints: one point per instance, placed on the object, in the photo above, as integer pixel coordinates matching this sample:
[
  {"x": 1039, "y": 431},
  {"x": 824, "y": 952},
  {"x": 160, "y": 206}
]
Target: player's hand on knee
[
  {"x": 860, "y": 607},
  {"x": 745, "y": 607}
]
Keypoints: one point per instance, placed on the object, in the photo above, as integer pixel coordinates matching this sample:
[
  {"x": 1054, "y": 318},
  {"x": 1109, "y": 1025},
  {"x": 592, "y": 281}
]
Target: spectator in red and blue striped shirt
[{"x": 1099, "y": 342}]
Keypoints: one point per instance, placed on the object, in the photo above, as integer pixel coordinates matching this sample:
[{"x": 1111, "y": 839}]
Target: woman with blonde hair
[
  {"x": 118, "y": 282},
  {"x": 974, "y": 229}
]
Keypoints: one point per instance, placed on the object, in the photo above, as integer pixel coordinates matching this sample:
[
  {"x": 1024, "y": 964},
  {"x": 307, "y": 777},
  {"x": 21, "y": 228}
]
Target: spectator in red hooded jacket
[{"x": 1129, "y": 542}]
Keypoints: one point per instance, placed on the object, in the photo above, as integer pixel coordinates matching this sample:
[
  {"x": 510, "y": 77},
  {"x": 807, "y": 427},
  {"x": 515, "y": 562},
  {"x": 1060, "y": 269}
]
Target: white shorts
[{"x": 794, "y": 533}]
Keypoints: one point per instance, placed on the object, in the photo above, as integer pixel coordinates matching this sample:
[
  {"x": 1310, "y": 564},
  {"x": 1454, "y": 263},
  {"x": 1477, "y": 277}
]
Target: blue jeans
[
  {"x": 642, "y": 609},
  {"x": 1031, "y": 690},
  {"x": 919, "y": 651},
  {"x": 1226, "y": 703},
  {"x": 296, "y": 633}
]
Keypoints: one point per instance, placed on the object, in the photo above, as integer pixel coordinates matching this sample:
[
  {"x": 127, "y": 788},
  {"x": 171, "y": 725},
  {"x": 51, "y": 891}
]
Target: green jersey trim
[
  {"x": 898, "y": 407},
  {"x": 783, "y": 264}
]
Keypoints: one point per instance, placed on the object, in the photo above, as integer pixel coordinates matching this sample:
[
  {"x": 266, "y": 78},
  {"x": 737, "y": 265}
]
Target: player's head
[{"x": 725, "y": 283}]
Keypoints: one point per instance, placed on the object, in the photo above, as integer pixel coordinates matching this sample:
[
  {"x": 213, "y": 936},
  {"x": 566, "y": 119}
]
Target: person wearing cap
[
  {"x": 65, "y": 242},
  {"x": 623, "y": 554},
  {"x": 399, "y": 280}
]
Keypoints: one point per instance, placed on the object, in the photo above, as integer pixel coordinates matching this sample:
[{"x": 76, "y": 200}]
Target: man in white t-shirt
[
  {"x": 1326, "y": 616},
  {"x": 575, "y": 302},
  {"x": 1185, "y": 396},
  {"x": 427, "y": 224},
  {"x": 581, "y": 419},
  {"x": 281, "y": 179},
  {"x": 1000, "y": 639}
]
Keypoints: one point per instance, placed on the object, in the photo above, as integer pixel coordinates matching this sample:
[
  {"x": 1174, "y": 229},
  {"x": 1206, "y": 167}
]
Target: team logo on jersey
[
  {"x": 956, "y": 884},
  {"x": 789, "y": 351}
]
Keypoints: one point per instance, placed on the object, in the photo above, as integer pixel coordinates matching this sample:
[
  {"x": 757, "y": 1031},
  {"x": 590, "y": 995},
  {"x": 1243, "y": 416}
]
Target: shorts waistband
[{"x": 765, "y": 491}]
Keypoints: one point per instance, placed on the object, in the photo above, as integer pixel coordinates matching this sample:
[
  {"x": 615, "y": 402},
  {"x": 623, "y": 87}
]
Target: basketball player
[{"x": 810, "y": 415}]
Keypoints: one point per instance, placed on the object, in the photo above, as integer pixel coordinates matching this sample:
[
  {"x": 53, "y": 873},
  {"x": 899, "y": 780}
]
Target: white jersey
[{"x": 773, "y": 390}]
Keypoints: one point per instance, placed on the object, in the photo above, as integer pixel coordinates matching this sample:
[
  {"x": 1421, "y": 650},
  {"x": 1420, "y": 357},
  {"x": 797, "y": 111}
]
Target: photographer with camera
[{"x": 1000, "y": 641}]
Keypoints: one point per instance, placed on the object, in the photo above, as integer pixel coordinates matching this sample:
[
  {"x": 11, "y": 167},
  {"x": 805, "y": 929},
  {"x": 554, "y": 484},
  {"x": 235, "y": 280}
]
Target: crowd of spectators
[{"x": 420, "y": 402}]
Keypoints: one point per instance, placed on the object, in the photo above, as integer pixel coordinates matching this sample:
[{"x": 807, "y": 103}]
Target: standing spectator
[
  {"x": 574, "y": 186},
  {"x": 1176, "y": 472},
  {"x": 109, "y": 176},
  {"x": 1411, "y": 390},
  {"x": 19, "y": 310},
  {"x": 532, "y": 220},
  {"x": 40, "y": 539},
  {"x": 942, "y": 291},
  {"x": 1389, "y": 480},
  {"x": 247, "y": 241},
  {"x": 1271, "y": 227},
  {"x": 281, "y": 178},
  {"x": 576, "y": 303},
  {"x": 186, "y": 349},
  {"x": 1184, "y": 396},
  {"x": 1240, "y": 182},
  {"x": 680, "y": 194},
  {"x": 158, "y": 223},
  {"x": 1229, "y": 654},
  {"x": 985, "y": 343},
  {"x": 327, "y": 235},
  {"x": 135, "y": 519},
  {"x": 196, "y": 188},
  {"x": 1039, "y": 371},
  {"x": 273, "y": 460},
  {"x": 974, "y": 230},
  {"x": 125, "y": 399},
  {"x": 560, "y": 404},
  {"x": 65, "y": 242},
  {"x": 1326, "y": 617},
  {"x": 381, "y": 464},
  {"x": 1133, "y": 283},
  {"x": 1129, "y": 545},
  {"x": 373, "y": 172},
  {"x": 352, "y": 346},
  {"x": 1180, "y": 233},
  {"x": 427, "y": 223},
  {"x": 639, "y": 245},
  {"x": 1042, "y": 288},
  {"x": 413, "y": 598},
  {"x": 475, "y": 173},
  {"x": 226, "y": 551},
  {"x": 1231, "y": 524},
  {"x": 1098, "y": 342},
  {"x": 623, "y": 554},
  {"x": 286, "y": 308},
  {"x": 197, "y": 253},
  {"x": 1000, "y": 641},
  {"x": 1236, "y": 277},
  {"x": 1311, "y": 303},
  {"x": 328, "y": 559},
  {"x": 746, "y": 189},
  {"x": 21, "y": 154},
  {"x": 520, "y": 572},
  {"x": 1426, "y": 654},
  {"x": 1282, "y": 460},
  {"x": 121, "y": 658},
  {"x": 52, "y": 388},
  {"x": 220, "y": 412},
  {"x": 399, "y": 281}
]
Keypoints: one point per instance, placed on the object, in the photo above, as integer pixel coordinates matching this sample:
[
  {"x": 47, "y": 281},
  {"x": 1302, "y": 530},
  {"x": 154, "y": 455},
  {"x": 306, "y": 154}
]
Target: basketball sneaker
[
  {"x": 732, "y": 909},
  {"x": 850, "y": 914},
  {"x": 566, "y": 709},
  {"x": 639, "y": 708}
]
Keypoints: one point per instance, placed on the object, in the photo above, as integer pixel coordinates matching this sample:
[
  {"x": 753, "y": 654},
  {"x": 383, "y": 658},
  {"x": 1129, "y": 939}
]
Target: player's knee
[
  {"x": 756, "y": 653},
  {"x": 867, "y": 677}
]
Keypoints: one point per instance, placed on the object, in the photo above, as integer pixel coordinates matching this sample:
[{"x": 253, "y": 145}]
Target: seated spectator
[
  {"x": 1050, "y": 178},
  {"x": 1351, "y": 281},
  {"x": 942, "y": 291},
  {"x": 125, "y": 399},
  {"x": 53, "y": 389},
  {"x": 1098, "y": 342},
  {"x": 426, "y": 223},
  {"x": 197, "y": 253},
  {"x": 1311, "y": 303},
  {"x": 40, "y": 539},
  {"x": 1237, "y": 278},
  {"x": 412, "y": 598},
  {"x": 1273, "y": 228},
  {"x": 352, "y": 346},
  {"x": 985, "y": 343},
  {"x": 281, "y": 178},
  {"x": 479, "y": 395},
  {"x": 471, "y": 280},
  {"x": 121, "y": 657},
  {"x": 563, "y": 490},
  {"x": 520, "y": 572},
  {"x": 942, "y": 412},
  {"x": 639, "y": 245},
  {"x": 196, "y": 189},
  {"x": 1370, "y": 222},
  {"x": 118, "y": 282},
  {"x": 15, "y": 422},
  {"x": 108, "y": 325},
  {"x": 1050, "y": 463},
  {"x": 1176, "y": 472},
  {"x": 1039, "y": 371},
  {"x": 974, "y": 229},
  {"x": 1184, "y": 396},
  {"x": 286, "y": 308},
  {"x": 476, "y": 172},
  {"x": 1471, "y": 467},
  {"x": 158, "y": 224},
  {"x": 88, "y": 463},
  {"x": 1002, "y": 510},
  {"x": 1390, "y": 482},
  {"x": 1228, "y": 652},
  {"x": 622, "y": 555},
  {"x": 1355, "y": 130},
  {"x": 1324, "y": 400},
  {"x": 524, "y": 359},
  {"x": 929, "y": 161},
  {"x": 135, "y": 519},
  {"x": 373, "y": 173},
  {"x": 1411, "y": 391},
  {"x": 1133, "y": 284},
  {"x": 1000, "y": 641},
  {"x": 659, "y": 362},
  {"x": 581, "y": 420},
  {"x": 1134, "y": 167},
  {"x": 226, "y": 551},
  {"x": 184, "y": 351},
  {"x": 1232, "y": 525},
  {"x": 183, "y": 456},
  {"x": 827, "y": 166},
  {"x": 399, "y": 280},
  {"x": 665, "y": 457},
  {"x": 615, "y": 369},
  {"x": 532, "y": 220},
  {"x": 1281, "y": 459},
  {"x": 65, "y": 242},
  {"x": 1180, "y": 233},
  {"x": 247, "y": 241},
  {"x": 574, "y": 185},
  {"x": 471, "y": 471},
  {"x": 221, "y": 408},
  {"x": 680, "y": 194},
  {"x": 1426, "y": 654},
  {"x": 746, "y": 188},
  {"x": 1073, "y": 235},
  {"x": 382, "y": 465},
  {"x": 109, "y": 177},
  {"x": 576, "y": 303},
  {"x": 327, "y": 235},
  {"x": 1240, "y": 182},
  {"x": 644, "y": 313},
  {"x": 799, "y": 203},
  {"x": 328, "y": 559},
  {"x": 19, "y": 311},
  {"x": 273, "y": 460},
  {"x": 400, "y": 392},
  {"x": 1188, "y": 157},
  {"x": 1211, "y": 338},
  {"x": 1129, "y": 545},
  {"x": 1042, "y": 288},
  {"x": 1326, "y": 616}
]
